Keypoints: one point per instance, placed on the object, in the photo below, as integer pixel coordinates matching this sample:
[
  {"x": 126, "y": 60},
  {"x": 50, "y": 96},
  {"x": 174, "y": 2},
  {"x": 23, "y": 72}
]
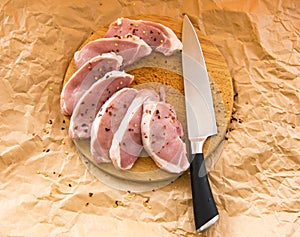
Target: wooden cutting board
[{"x": 167, "y": 71}]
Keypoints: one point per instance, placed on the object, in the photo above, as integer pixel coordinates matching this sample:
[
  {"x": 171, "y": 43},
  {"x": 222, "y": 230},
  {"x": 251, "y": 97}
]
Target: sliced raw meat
[
  {"x": 159, "y": 37},
  {"x": 91, "y": 101},
  {"x": 130, "y": 47},
  {"x": 161, "y": 132},
  {"x": 84, "y": 77},
  {"x": 107, "y": 122},
  {"x": 127, "y": 141}
]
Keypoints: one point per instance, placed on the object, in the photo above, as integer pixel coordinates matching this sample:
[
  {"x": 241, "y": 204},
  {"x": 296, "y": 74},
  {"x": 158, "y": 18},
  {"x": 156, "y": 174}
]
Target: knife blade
[{"x": 201, "y": 124}]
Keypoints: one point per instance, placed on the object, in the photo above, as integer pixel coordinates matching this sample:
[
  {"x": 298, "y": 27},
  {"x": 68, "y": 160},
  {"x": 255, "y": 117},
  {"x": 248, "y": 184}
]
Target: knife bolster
[{"x": 197, "y": 144}]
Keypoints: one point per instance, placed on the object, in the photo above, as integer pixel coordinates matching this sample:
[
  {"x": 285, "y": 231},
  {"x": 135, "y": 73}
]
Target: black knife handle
[{"x": 205, "y": 209}]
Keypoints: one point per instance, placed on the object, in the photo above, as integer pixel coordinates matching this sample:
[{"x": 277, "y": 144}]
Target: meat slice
[
  {"x": 127, "y": 141},
  {"x": 107, "y": 122},
  {"x": 161, "y": 38},
  {"x": 84, "y": 77},
  {"x": 130, "y": 47},
  {"x": 161, "y": 132},
  {"x": 91, "y": 101}
]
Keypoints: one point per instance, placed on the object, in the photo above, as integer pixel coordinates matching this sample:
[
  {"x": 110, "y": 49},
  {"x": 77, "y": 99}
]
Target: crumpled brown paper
[{"x": 45, "y": 188}]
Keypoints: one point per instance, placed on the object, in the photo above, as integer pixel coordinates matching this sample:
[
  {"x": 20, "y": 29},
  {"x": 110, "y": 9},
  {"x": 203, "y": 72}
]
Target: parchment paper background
[{"x": 45, "y": 190}]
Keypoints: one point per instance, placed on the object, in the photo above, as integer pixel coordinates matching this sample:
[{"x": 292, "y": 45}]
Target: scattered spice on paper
[{"x": 118, "y": 203}]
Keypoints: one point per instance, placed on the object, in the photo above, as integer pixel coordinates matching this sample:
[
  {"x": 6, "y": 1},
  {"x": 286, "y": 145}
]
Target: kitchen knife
[{"x": 201, "y": 124}]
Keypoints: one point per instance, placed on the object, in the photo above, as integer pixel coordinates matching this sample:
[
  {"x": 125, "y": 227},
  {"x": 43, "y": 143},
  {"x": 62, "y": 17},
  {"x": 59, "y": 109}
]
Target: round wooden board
[{"x": 145, "y": 169}]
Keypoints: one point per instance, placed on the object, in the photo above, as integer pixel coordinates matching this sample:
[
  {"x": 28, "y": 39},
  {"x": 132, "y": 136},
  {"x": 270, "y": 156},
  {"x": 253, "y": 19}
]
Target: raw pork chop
[
  {"x": 161, "y": 132},
  {"x": 84, "y": 77},
  {"x": 91, "y": 101},
  {"x": 107, "y": 123},
  {"x": 130, "y": 47},
  {"x": 127, "y": 141},
  {"x": 158, "y": 36}
]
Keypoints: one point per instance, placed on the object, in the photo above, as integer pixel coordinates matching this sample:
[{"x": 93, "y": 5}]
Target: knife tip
[{"x": 186, "y": 17}]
